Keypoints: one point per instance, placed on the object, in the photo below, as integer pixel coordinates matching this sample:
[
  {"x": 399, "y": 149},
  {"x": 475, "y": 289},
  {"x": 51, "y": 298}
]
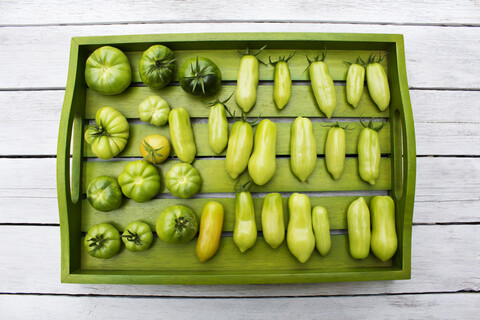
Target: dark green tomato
[
  {"x": 183, "y": 180},
  {"x": 104, "y": 193},
  {"x": 200, "y": 76},
  {"x": 102, "y": 241},
  {"x": 157, "y": 66},
  {"x": 137, "y": 236},
  {"x": 177, "y": 224}
]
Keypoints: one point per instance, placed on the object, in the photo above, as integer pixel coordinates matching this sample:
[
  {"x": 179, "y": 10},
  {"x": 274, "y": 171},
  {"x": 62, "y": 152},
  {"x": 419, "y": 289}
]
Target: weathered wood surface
[{"x": 443, "y": 64}]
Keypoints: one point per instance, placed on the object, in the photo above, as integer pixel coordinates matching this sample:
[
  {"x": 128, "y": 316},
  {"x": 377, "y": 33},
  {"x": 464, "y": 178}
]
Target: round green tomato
[
  {"x": 137, "y": 236},
  {"x": 109, "y": 136},
  {"x": 154, "y": 110},
  {"x": 157, "y": 66},
  {"x": 177, "y": 224},
  {"x": 108, "y": 71},
  {"x": 102, "y": 241},
  {"x": 139, "y": 180},
  {"x": 104, "y": 193},
  {"x": 183, "y": 180},
  {"x": 200, "y": 76}
]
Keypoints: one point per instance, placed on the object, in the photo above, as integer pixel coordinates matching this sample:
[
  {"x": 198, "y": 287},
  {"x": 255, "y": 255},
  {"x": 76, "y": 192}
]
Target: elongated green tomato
[
  {"x": 369, "y": 154},
  {"x": 321, "y": 228},
  {"x": 354, "y": 84},
  {"x": 303, "y": 148},
  {"x": 282, "y": 84},
  {"x": 211, "y": 224},
  {"x": 384, "y": 236},
  {"x": 247, "y": 82},
  {"x": 273, "y": 222},
  {"x": 217, "y": 128},
  {"x": 358, "y": 220},
  {"x": 262, "y": 163},
  {"x": 137, "y": 236},
  {"x": 322, "y": 86},
  {"x": 300, "y": 238},
  {"x": 335, "y": 151},
  {"x": 245, "y": 230},
  {"x": 181, "y": 135},
  {"x": 239, "y": 148},
  {"x": 377, "y": 83}
]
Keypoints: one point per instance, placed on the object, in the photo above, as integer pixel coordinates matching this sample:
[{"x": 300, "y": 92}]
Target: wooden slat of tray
[
  {"x": 182, "y": 257},
  {"x": 200, "y": 130},
  {"x": 217, "y": 180},
  {"x": 302, "y": 102},
  {"x": 229, "y": 60},
  {"x": 148, "y": 212}
]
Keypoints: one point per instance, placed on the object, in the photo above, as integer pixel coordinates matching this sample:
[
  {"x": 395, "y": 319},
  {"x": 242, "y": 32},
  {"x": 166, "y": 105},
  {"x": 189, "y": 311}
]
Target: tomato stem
[
  {"x": 97, "y": 242},
  {"x": 133, "y": 237}
]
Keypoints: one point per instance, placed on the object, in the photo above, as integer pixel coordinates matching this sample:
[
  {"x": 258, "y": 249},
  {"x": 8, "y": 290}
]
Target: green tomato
[
  {"x": 108, "y": 71},
  {"x": 109, "y": 136},
  {"x": 177, "y": 224},
  {"x": 322, "y": 86},
  {"x": 137, "y": 236},
  {"x": 140, "y": 180},
  {"x": 200, "y": 76},
  {"x": 104, "y": 193},
  {"x": 102, "y": 241},
  {"x": 157, "y": 66},
  {"x": 154, "y": 110},
  {"x": 183, "y": 180}
]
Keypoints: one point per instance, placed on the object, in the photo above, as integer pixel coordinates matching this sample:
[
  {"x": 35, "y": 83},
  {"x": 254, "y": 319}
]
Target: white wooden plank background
[{"x": 442, "y": 42}]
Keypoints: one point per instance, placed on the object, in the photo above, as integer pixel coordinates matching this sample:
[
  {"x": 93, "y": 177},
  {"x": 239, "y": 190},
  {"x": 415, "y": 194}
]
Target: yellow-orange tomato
[{"x": 155, "y": 148}]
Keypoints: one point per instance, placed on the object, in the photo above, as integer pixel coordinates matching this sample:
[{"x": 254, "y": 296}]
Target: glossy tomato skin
[
  {"x": 335, "y": 151},
  {"x": 384, "y": 239},
  {"x": 217, "y": 128},
  {"x": 240, "y": 145},
  {"x": 155, "y": 148},
  {"x": 262, "y": 163},
  {"x": 109, "y": 135},
  {"x": 104, "y": 194},
  {"x": 154, "y": 110},
  {"x": 137, "y": 236},
  {"x": 183, "y": 180},
  {"x": 303, "y": 148},
  {"x": 300, "y": 237},
  {"x": 359, "y": 234},
  {"x": 247, "y": 83},
  {"x": 273, "y": 221},
  {"x": 108, "y": 71},
  {"x": 181, "y": 134},
  {"x": 200, "y": 76},
  {"x": 157, "y": 66},
  {"x": 245, "y": 230},
  {"x": 102, "y": 241},
  {"x": 210, "y": 233},
  {"x": 321, "y": 229},
  {"x": 323, "y": 87},
  {"x": 139, "y": 181},
  {"x": 177, "y": 224}
]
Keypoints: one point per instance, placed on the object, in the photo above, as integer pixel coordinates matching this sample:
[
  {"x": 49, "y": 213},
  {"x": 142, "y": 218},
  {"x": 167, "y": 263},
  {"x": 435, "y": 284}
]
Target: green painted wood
[
  {"x": 78, "y": 267},
  {"x": 148, "y": 212},
  {"x": 261, "y": 257},
  {"x": 301, "y": 103},
  {"x": 200, "y": 130},
  {"x": 229, "y": 60},
  {"x": 216, "y": 179}
]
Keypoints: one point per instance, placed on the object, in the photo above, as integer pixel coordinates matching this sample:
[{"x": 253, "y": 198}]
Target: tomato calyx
[
  {"x": 152, "y": 152},
  {"x": 316, "y": 59},
  {"x": 99, "y": 131},
  {"x": 97, "y": 242},
  {"x": 161, "y": 64},
  {"x": 133, "y": 237},
  {"x": 182, "y": 223},
  {"x": 369, "y": 125},
  {"x": 199, "y": 75},
  {"x": 282, "y": 59}
]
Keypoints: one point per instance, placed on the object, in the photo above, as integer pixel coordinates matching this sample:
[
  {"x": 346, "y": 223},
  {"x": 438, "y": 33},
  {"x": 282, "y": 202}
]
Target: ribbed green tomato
[
  {"x": 154, "y": 110},
  {"x": 109, "y": 135},
  {"x": 384, "y": 240},
  {"x": 104, "y": 194},
  {"x": 177, "y": 224},
  {"x": 157, "y": 66},
  {"x": 183, "y": 180},
  {"x": 137, "y": 236},
  {"x": 303, "y": 148},
  {"x": 108, "y": 71},
  {"x": 300, "y": 237},
  {"x": 245, "y": 230},
  {"x": 262, "y": 163},
  {"x": 139, "y": 180},
  {"x": 358, "y": 220},
  {"x": 102, "y": 241},
  {"x": 239, "y": 148}
]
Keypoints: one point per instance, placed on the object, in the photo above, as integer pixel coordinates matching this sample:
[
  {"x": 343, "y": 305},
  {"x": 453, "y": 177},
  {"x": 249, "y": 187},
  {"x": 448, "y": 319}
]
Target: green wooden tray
[{"x": 177, "y": 264}]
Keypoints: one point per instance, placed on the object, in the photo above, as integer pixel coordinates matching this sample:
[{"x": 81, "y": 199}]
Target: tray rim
[{"x": 63, "y": 164}]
